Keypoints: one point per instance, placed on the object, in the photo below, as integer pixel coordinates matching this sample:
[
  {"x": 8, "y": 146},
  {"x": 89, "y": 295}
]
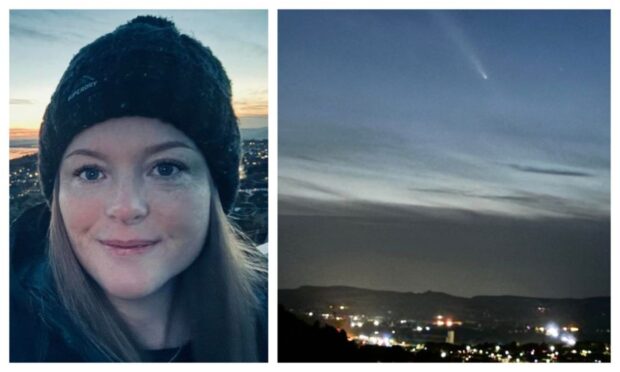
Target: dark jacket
[{"x": 41, "y": 330}]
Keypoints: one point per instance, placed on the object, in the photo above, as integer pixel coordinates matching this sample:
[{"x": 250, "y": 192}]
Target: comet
[{"x": 458, "y": 38}]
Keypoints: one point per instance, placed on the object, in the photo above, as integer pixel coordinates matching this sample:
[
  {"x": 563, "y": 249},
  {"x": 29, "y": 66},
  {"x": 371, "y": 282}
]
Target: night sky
[{"x": 458, "y": 151}]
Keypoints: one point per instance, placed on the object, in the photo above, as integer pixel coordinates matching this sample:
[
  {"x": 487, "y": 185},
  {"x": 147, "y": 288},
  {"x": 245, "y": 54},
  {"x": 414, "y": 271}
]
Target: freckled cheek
[
  {"x": 184, "y": 215},
  {"x": 80, "y": 213}
]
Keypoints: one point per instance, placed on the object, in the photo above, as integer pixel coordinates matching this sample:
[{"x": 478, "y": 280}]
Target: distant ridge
[
  {"x": 428, "y": 292},
  {"x": 254, "y": 133},
  {"x": 592, "y": 313}
]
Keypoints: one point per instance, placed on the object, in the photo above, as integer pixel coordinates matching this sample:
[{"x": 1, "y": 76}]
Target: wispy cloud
[
  {"x": 21, "y": 101},
  {"x": 555, "y": 205},
  {"x": 55, "y": 25},
  {"x": 312, "y": 186},
  {"x": 24, "y": 32},
  {"x": 550, "y": 171},
  {"x": 255, "y": 48}
]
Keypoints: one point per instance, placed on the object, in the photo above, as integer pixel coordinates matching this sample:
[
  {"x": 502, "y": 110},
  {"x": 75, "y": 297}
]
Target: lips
[
  {"x": 124, "y": 247},
  {"x": 129, "y": 244}
]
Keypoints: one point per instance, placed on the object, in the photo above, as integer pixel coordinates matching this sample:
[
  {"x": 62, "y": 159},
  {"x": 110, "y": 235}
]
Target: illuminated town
[
  {"x": 448, "y": 337},
  {"x": 250, "y": 209}
]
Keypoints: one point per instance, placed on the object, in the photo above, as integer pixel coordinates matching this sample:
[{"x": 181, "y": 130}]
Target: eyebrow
[{"x": 148, "y": 151}]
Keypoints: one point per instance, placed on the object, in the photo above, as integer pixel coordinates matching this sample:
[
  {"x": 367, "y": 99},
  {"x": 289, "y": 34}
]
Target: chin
[{"x": 129, "y": 289}]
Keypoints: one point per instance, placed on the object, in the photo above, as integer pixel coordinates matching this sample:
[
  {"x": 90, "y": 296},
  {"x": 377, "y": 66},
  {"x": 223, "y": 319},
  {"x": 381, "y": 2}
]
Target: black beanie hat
[{"x": 146, "y": 68}]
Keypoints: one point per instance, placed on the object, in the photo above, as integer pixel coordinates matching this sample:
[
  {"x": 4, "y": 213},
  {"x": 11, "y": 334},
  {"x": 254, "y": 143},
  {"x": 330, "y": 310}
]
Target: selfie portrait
[{"x": 138, "y": 186}]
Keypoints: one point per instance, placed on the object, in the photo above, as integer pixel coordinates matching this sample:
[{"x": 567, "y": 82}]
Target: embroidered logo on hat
[{"x": 85, "y": 83}]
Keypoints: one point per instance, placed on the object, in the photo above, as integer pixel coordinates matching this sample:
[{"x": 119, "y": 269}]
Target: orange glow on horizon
[
  {"x": 247, "y": 109},
  {"x": 23, "y": 133},
  {"x": 19, "y": 152}
]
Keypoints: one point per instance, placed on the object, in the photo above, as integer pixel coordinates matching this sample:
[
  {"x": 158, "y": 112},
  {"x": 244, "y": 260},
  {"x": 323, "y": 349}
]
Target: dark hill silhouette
[
  {"x": 299, "y": 341},
  {"x": 591, "y": 314}
]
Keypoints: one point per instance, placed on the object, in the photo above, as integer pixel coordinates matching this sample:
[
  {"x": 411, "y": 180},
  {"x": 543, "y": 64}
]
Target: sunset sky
[
  {"x": 43, "y": 42},
  {"x": 462, "y": 151}
]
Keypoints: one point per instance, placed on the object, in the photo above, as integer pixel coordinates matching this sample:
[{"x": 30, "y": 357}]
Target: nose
[{"x": 128, "y": 204}]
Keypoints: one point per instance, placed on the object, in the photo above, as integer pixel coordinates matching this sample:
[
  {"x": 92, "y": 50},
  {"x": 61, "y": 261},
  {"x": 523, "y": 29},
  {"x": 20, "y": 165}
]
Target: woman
[{"x": 133, "y": 257}]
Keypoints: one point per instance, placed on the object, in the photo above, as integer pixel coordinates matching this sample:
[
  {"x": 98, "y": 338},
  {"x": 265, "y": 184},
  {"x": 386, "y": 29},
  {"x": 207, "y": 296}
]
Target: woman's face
[{"x": 135, "y": 198}]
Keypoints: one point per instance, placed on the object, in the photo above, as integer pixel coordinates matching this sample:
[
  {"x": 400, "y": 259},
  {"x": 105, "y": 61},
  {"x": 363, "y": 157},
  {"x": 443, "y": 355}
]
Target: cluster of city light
[
  {"x": 440, "y": 321},
  {"x": 377, "y": 340},
  {"x": 498, "y": 353},
  {"x": 505, "y": 356},
  {"x": 565, "y": 334}
]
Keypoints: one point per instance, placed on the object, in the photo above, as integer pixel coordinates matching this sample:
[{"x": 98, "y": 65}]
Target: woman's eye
[
  {"x": 89, "y": 174},
  {"x": 167, "y": 169}
]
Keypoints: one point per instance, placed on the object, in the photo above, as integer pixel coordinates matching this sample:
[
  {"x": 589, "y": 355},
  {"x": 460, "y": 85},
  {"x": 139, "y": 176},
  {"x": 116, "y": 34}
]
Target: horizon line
[
  {"x": 446, "y": 293},
  {"x": 33, "y": 133}
]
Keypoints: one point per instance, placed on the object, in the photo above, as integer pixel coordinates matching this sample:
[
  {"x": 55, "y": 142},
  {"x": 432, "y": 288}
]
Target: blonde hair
[{"x": 217, "y": 292}]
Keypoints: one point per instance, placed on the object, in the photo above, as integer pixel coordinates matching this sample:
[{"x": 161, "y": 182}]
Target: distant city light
[
  {"x": 552, "y": 330},
  {"x": 565, "y": 335},
  {"x": 356, "y": 324},
  {"x": 568, "y": 339}
]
